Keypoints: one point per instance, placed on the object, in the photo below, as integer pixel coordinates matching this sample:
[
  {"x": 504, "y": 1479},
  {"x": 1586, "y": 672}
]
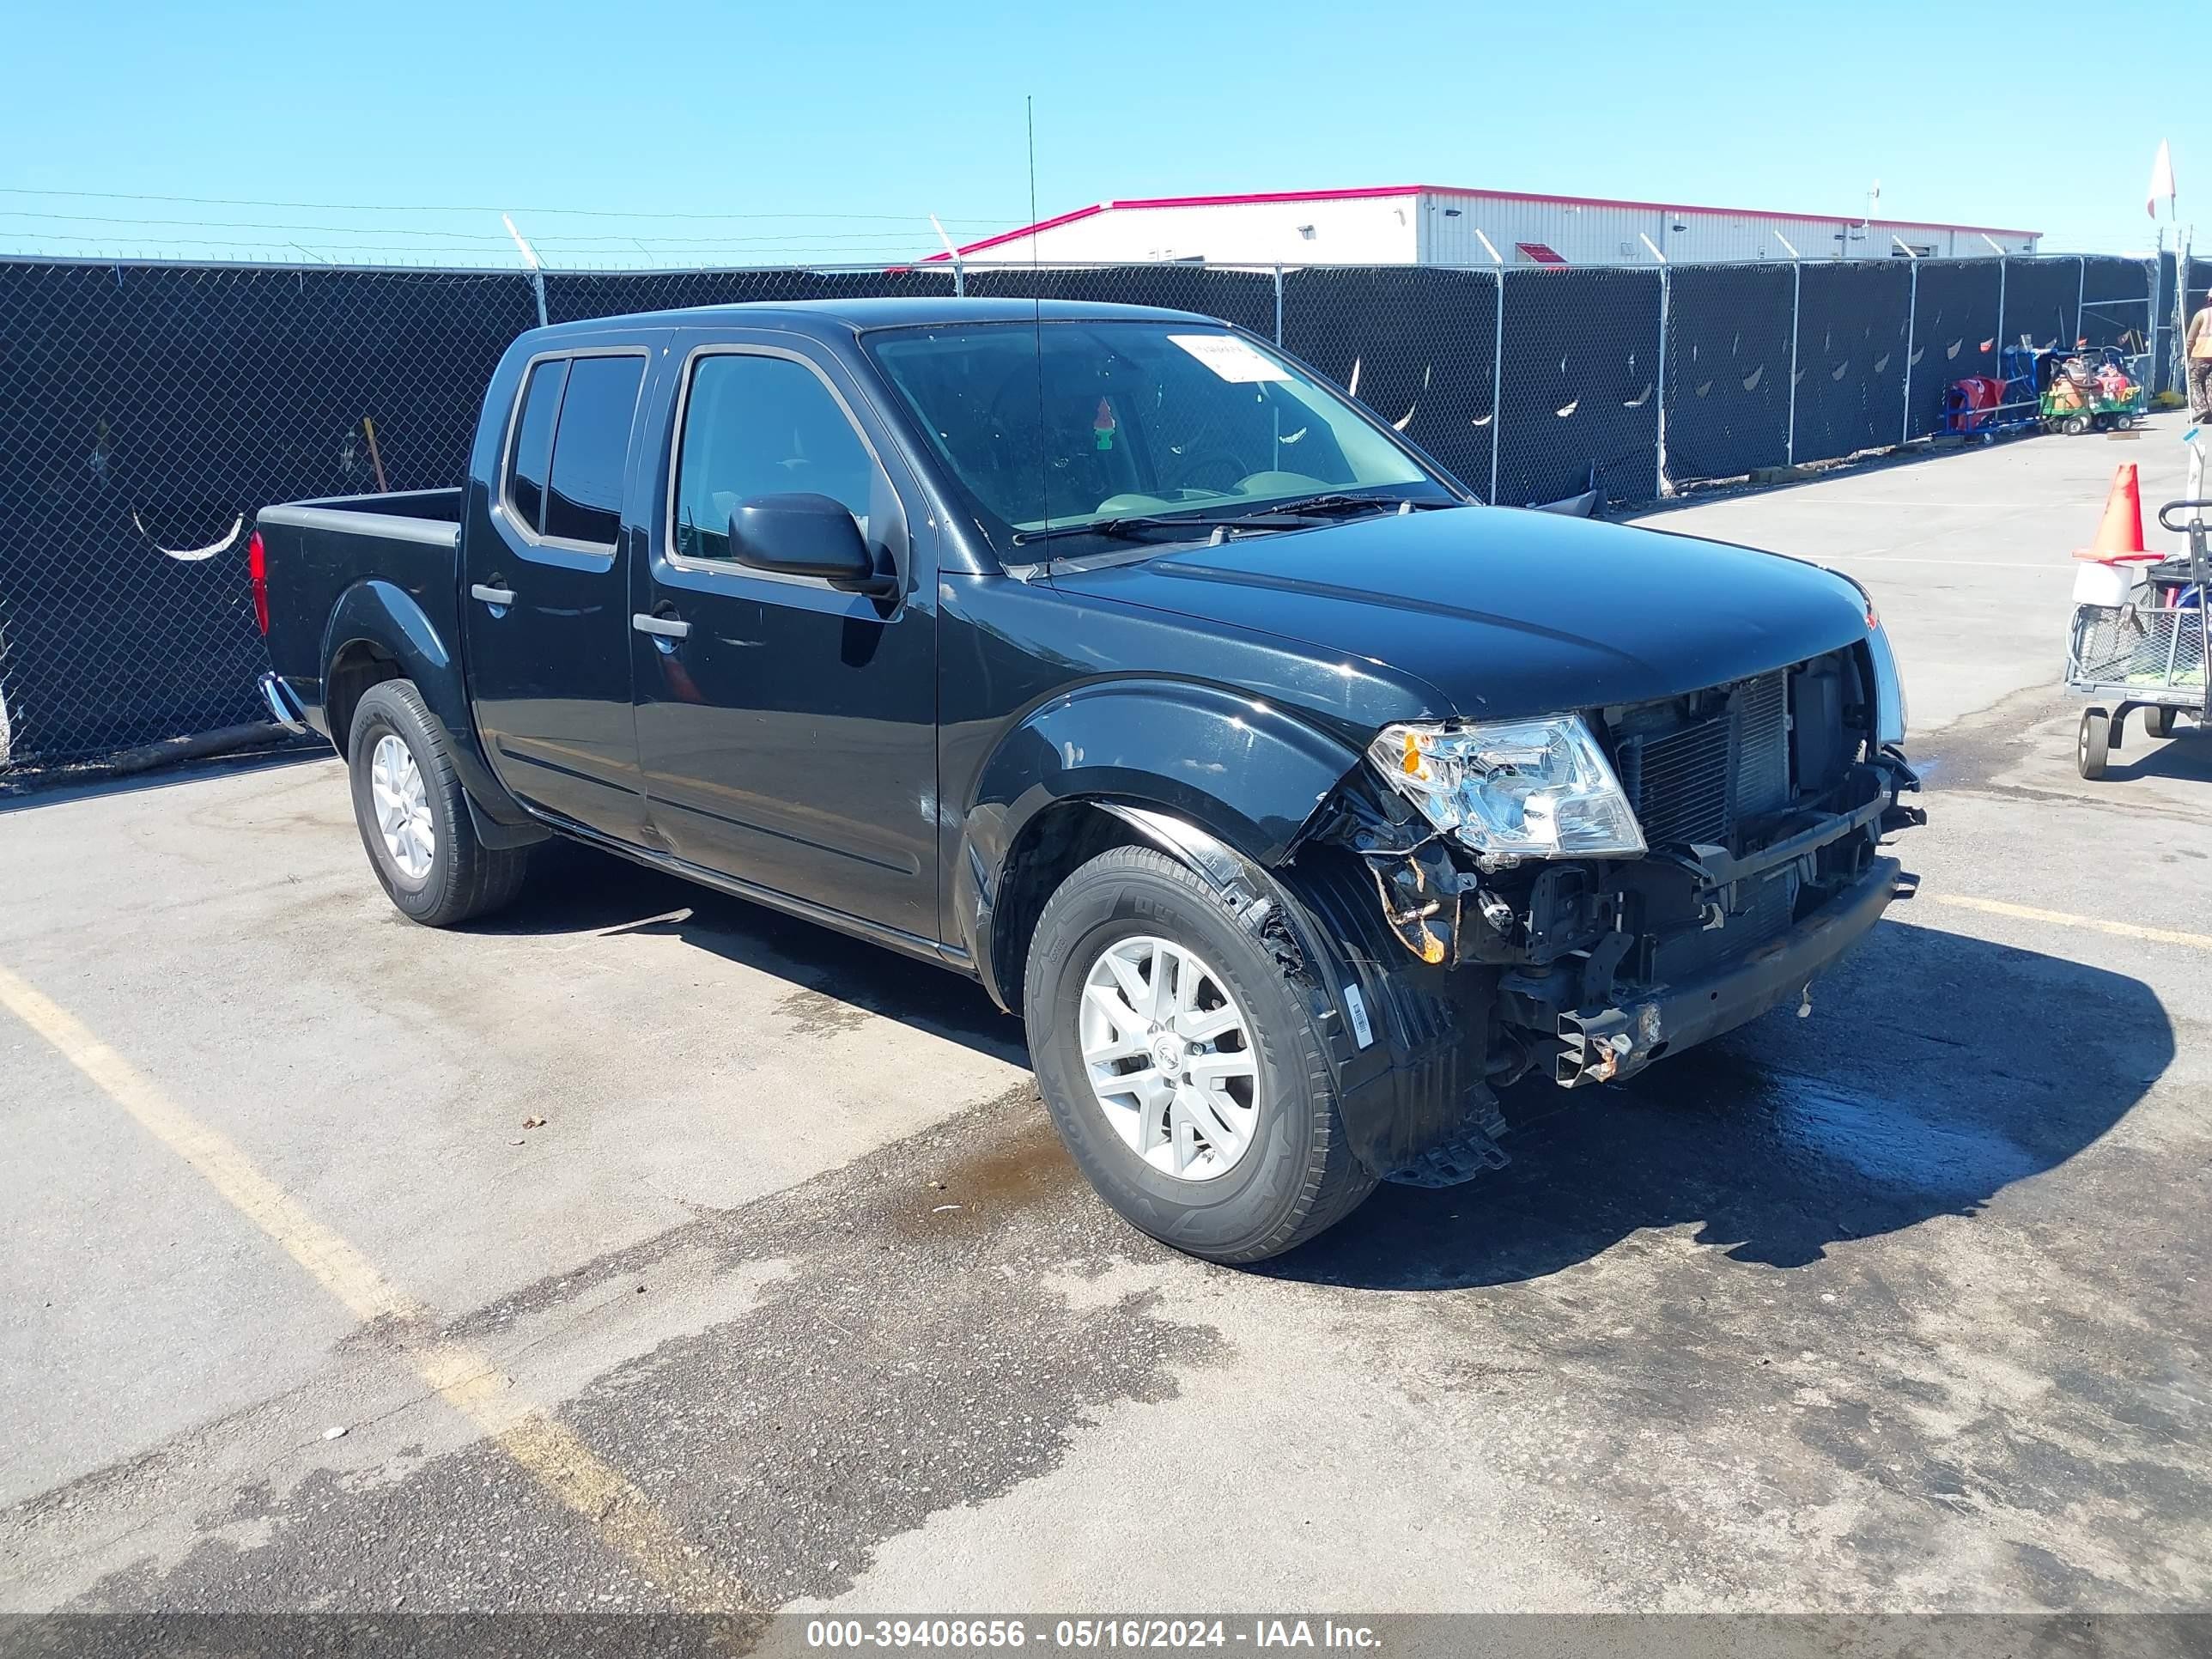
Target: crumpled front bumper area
[{"x": 1602, "y": 1044}]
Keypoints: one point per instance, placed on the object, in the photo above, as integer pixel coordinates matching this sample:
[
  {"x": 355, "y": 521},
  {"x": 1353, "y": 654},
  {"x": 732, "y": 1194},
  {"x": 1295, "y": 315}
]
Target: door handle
[
  {"x": 666, "y": 628},
  {"x": 492, "y": 595}
]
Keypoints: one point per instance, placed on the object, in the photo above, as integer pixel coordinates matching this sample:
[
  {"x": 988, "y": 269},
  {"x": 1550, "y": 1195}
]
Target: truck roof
[{"x": 834, "y": 316}]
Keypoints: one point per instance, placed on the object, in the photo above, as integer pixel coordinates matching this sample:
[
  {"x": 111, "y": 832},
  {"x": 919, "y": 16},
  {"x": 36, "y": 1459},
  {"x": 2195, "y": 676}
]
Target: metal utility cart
[{"x": 2148, "y": 652}]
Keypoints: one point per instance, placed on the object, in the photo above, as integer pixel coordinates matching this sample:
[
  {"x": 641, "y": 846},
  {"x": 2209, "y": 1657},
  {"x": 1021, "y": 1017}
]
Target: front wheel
[
  {"x": 414, "y": 818},
  {"x": 2157, "y": 720},
  {"x": 1180, "y": 1065}
]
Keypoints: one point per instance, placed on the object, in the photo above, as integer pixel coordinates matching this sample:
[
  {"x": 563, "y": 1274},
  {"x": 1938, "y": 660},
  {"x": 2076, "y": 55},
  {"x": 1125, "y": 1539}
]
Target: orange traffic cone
[{"x": 2119, "y": 535}]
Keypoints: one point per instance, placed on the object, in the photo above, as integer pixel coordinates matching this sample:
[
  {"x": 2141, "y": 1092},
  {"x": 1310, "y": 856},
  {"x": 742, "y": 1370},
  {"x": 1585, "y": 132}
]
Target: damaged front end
[{"x": 1629, "y": 883}]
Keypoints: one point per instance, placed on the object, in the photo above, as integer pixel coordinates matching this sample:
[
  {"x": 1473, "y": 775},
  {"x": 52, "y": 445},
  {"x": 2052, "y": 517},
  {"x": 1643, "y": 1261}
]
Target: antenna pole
[
  {"x": 1036, "y": 308},
  {"x": 1029, "y": 119}
]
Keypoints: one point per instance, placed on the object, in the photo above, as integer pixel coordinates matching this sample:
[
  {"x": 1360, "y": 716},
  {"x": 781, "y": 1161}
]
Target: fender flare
[
  {"x": 1246, "y": 774},
  {"x": 1404, "y": 1042},
  {"x": 382, "y": 614}
]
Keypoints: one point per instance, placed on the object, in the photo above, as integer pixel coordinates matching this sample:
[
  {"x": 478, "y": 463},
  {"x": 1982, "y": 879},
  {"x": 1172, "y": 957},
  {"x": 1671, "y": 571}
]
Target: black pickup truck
[{"x": 1295, "y": 800}]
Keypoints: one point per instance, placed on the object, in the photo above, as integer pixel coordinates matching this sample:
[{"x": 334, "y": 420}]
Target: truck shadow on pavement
[
  {"x": 837, "y": 981},
  {"x": 1936, "y": 1071}
]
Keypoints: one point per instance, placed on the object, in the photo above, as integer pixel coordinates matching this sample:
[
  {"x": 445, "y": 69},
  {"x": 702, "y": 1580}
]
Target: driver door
[{"x": 787, "y": 730}]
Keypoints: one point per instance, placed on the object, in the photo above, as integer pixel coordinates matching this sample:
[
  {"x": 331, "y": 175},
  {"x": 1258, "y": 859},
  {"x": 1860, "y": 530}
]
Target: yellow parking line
[
  {"x": 2061, "y": 919},
  {"x": 463, "y": 1377}
]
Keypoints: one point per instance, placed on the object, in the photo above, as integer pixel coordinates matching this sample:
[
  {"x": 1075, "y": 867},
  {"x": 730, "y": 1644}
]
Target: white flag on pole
[{"x": 2161, "y": 180}]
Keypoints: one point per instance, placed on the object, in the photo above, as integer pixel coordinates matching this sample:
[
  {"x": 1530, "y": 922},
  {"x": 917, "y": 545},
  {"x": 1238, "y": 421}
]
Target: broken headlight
[{"x": 1537, "y": 788}]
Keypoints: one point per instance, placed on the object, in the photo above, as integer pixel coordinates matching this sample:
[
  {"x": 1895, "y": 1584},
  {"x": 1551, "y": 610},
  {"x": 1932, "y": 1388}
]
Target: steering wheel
[{"x": 1225, "y": 463}]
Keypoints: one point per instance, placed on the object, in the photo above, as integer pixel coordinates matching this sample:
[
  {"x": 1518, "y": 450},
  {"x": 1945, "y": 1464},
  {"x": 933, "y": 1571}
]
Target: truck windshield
[{"x": 1056, "y": 427}]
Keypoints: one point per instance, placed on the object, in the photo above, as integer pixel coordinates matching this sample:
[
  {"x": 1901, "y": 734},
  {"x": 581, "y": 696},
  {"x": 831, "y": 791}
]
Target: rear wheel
[
  {"x": 2158, "y": 721},
  {"x": 2093, "y": 743},
  {"x": 1181, "y": 1067},
  {"x": 414, "y": 818}
]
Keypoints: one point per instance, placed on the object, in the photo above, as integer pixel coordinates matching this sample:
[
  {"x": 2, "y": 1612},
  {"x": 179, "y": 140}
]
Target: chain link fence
[
  {"x": 148, "y": 410},
  {"x": 1578, "y": 398},
  {"x": 571, "y": 296},
  {"x": 1955, "y": 304},
  {"x": 1730, "y": 345},
  {"x": 1416, "y": 344},
  {"x": 1850, "y": 333}
]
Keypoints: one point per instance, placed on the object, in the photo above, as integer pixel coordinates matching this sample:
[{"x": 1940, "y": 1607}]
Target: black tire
[
  {"x": 465, "y": 879},
  {"x": 2093, "y": 743},
  {"x": 2158, "y": 721},
  {"x": 1298, "y": 1176}
]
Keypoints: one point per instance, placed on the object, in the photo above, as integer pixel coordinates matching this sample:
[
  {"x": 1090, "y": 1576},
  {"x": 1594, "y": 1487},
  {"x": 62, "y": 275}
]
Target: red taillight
[{"x": 257, "y": 573}]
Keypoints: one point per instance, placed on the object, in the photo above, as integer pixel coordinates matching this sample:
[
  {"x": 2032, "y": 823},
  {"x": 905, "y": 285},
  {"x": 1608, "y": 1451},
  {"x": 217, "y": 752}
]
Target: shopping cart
[{"x": 2149, "y": 649}]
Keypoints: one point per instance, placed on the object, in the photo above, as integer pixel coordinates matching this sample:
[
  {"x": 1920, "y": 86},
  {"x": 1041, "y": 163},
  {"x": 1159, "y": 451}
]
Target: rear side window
[
  {"x": 583, "y": 497},
  {"x": 530, "y": 451}
]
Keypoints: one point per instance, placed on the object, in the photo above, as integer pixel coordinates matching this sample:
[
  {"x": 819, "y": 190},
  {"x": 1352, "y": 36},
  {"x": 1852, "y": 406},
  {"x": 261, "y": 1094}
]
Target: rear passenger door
[{"x": 545, "y": 593}]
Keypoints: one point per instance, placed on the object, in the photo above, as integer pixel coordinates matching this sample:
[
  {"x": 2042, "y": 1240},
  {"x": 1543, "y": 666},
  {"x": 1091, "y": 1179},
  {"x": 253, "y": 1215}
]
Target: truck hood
[{"x": 1508, "y": 613}]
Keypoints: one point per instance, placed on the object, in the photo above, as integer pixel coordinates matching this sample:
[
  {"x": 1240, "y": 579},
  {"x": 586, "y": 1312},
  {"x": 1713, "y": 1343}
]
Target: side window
[
  {"x": 762, "y": 426},
  {"x": 530, "y": 452},
  {"x": 583, "y": 495}
]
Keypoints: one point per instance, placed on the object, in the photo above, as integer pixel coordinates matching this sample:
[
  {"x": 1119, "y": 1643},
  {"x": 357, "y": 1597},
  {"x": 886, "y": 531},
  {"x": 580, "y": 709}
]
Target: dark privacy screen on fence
[
  {"x": 570, "y": 295},
  {"x": 1851, "y": 324},
  {"x": 1728, "y": 369},
  {"x": 2041, "y": 298},
  {"x": 1245, "y": 298},
  {"x": 147, "y": 411},
  {"x": 2115, "y": 302},
  {"x": 1579, "y": 384},
  {"x": 1954, "y": 334},
  {"x": 1416, "y": 346}
]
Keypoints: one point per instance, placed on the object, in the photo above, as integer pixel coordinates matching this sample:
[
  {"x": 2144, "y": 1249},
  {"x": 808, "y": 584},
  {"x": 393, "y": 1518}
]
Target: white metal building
[{"x": 1431, "y": 224}]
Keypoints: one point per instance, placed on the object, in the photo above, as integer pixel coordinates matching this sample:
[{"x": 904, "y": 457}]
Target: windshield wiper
[
  {"x": 1313, "y": 506},
  {"x": 1125, "y": 529},
  {"x": 1292, "y": 515}
]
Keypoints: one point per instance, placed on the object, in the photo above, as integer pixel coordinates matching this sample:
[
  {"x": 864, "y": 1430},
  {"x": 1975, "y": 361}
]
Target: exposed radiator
[
  {"x": 1698, "y": 782},
  {"x": 1762, "y": 773},
  {"x": 1680, "y": 782}
]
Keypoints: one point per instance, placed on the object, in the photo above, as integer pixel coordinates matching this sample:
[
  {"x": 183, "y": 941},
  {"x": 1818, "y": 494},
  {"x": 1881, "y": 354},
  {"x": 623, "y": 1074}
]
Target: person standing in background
[{"x": 2198, "y": 347}]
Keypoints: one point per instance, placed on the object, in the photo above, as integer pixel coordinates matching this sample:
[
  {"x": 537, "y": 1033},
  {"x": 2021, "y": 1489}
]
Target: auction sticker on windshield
[{"x": 1230, "y": 358}]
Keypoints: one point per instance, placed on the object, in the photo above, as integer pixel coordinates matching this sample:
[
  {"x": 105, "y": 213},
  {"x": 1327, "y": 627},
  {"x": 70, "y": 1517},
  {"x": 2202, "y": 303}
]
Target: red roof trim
[
  {"x": 1028, "y": 230},
  {"x": 1241, "y": 198}
]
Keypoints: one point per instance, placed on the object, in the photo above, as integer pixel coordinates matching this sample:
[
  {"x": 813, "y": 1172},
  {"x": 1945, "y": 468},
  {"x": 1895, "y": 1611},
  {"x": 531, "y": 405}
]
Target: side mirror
[{"x": 803, "y": 534}]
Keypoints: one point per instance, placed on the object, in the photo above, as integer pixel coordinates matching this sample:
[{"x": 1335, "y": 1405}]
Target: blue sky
[{"x": 747, "y": 134}]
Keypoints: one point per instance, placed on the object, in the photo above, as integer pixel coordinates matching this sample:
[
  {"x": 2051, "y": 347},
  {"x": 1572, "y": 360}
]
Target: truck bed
[{"x": 316, "y": 551}]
